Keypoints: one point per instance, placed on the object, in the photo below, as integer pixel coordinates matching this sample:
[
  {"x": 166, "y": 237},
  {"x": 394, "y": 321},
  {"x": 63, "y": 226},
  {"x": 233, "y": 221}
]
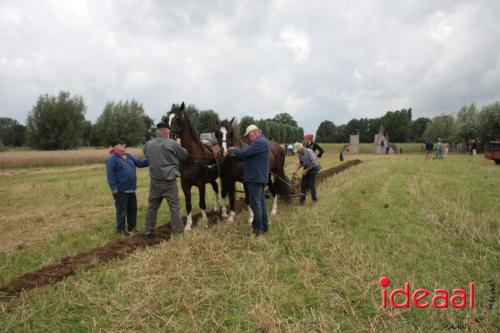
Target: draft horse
[
  {"x": 227, "y": 135},
  {"x": 200, "y": 167}
]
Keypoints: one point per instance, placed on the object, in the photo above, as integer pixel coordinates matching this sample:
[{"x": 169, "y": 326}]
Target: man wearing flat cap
[
  {"x": 164, "y": 156},
  {"x": 122, "y": 179},
  {"x": 256, "y": 175},
  {"x": 309, "y": 162}
]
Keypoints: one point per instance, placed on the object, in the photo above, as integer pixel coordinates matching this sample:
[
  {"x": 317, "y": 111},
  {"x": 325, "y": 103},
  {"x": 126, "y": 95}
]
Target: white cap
[
  {"x": 251, "y": 128},
  {"x": 297, "y": 146}
]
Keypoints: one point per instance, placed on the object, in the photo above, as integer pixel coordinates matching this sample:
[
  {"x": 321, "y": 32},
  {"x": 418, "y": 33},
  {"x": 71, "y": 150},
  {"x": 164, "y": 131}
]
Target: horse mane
[{"x": 191, "y": 128}]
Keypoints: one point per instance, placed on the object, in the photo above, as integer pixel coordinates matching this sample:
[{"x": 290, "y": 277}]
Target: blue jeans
[
  {"x": 126, "y": 210},
  {"x": 258, "y": 204}
]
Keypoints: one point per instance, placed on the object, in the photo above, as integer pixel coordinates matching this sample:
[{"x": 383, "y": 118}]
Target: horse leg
[
  {"x": 272, "y": 189},
  {"x": 224, "y": 193},
  {"x": 247, "y": 201},
  {"x": 231, "y": 192},
  {"x": 215, "y": 187},
  {"x": 186, "y": 188},
  {"x": 203, "y": 205}
]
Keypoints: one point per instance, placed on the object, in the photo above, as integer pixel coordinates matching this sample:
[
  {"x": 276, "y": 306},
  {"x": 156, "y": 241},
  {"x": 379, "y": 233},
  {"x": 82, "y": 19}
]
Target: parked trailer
[{"x": 493, "y": 152}]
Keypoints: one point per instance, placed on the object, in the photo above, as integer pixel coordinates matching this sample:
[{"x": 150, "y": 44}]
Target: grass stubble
[{"x": 427, "y": 222}]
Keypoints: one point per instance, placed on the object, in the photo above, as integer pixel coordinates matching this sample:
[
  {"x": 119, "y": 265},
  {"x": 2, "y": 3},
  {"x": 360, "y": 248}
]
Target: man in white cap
[
  {"x": 256, "y": 175},
  {"x": 308, "y": 161}
]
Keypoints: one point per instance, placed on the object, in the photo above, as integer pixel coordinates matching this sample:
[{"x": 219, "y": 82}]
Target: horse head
[
  {"x": 175, "y": 118},
  {"x": 224, "y": 133}
]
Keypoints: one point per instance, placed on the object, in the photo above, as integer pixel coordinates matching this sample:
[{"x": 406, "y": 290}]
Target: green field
[{"x": 435, "y": 224}]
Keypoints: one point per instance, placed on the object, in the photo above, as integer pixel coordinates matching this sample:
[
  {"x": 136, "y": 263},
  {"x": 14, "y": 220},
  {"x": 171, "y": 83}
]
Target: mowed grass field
[{"x": 435, "y": 224}]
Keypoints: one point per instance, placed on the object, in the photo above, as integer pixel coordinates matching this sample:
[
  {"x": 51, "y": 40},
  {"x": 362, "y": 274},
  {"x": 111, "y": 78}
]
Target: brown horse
[
  {"x": 201, "y": 166},
  {"x": 227, "y": 135}
]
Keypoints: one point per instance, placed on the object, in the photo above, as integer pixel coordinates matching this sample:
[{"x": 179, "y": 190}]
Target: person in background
[
  {"x": 309, "y": 162},
  {"x": 474, "y": 148},
  {"x": 309, "y": 143},
  {"x": 429, "y": 148},
  {"x": 122, "y": 179},
  {"x": 256, "y": 175},
  {"x": 165, "y": 156},
  {"x": 439, "y": 150}
]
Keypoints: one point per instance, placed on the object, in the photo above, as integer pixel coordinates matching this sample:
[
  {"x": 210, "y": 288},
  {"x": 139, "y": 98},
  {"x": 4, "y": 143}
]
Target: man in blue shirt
[
  {"x": 122, "y": 179},
  {"x": 308, "y": 161},
  {"x": 256, "y": 175}
]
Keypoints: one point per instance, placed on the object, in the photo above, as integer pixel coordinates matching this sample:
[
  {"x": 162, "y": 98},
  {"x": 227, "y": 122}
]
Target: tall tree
[
  {"x": 285, "y": 119},
  {"x": 440, "y": 127},
  {"x": 325, "y": 132},
  {"x": 122, "y": 120},
  {"x": 398, "y": 124},
  {"x": 12, "y": 133},
  {"x": 467, "y": 124},
  {"x": 150, "y": 127},
  {"x": 87, "y": 134},
  {"x": 489, "y": 120},
  {"x": 56, "y": 122},
  {"x": 418, "y": 127},
  {"x": 208, "y": 120},
  {"x": 244, "y": 122}
]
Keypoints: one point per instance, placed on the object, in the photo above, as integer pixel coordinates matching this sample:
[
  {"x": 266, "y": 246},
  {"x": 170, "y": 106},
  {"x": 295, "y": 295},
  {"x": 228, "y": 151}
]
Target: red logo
[{"x": 422, "y": 298}]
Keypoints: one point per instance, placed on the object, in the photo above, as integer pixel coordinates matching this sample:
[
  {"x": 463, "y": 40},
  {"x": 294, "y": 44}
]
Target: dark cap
[
  {"x": 117, "y": 142},
  {"x": 162, "y": 124}
]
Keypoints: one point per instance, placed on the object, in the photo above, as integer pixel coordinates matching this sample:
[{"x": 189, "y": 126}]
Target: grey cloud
[{"x": 316, "y": 60}]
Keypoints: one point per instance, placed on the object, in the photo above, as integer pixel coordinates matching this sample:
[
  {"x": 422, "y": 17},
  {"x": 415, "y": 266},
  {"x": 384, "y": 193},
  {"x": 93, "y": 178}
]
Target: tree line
[
  {"x": 470, "y": 123},
  {"x": 58, "y": 122}
]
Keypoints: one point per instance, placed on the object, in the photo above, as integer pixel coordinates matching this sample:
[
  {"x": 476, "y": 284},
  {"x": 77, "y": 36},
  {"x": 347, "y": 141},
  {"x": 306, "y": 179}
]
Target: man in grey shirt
[
  {"x": 164, "y": 156},
  {"x": 308, "y": 161}
]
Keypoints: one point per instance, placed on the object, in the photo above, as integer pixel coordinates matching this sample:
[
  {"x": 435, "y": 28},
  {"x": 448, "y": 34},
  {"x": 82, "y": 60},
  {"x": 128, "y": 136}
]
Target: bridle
[{"x": 175, "y": 130}]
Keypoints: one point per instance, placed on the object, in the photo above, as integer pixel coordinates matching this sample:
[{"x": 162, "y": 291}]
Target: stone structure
[
  {"x": 354, "y": 144},
  {"x": 380, "y": 142}
]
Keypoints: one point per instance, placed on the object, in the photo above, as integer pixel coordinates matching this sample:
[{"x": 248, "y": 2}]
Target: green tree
[
  {"x": 12, "y": 133},
  {"x": 244, "y": 122},
  {"x": 122, "y": 120},
  {"x": 87, "y": 133},
  {"x": 325, "y": 132},
  {"x": 467, "y": 124},
  {"x": 489, "y": 122},
  {"x": 340, "y": 134},
  {"x": 440, "y": 127},
  {"x": 398, "y": 125},
  {"x": 56, "y": 122},
  {"x": 150, "y": 127},
  {"x": 418, "y": 127},
  {"x": 208, "y": 120},
  {"x": 285, "y": 119},
  {"x": 194, "y": 116}
]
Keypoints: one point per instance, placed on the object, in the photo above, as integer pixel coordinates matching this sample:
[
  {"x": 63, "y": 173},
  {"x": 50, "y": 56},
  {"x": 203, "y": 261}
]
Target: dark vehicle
[{"x": 493, "y": 152}]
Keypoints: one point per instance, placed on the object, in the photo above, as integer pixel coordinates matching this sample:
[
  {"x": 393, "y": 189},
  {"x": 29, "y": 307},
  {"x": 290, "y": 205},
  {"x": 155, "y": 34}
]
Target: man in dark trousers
[
  {"x": 256, "y": 174},
  {"x": 165, "y": 156},
  {"x": 122, "y": 179},
  {"x": 308, "y": 161}
]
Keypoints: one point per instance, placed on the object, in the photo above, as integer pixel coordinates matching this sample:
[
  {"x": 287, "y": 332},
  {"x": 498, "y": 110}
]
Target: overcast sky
[{"x": 316, "y": 60}]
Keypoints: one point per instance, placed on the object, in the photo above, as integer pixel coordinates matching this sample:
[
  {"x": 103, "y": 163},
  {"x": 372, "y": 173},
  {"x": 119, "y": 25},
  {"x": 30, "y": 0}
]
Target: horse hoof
[
  {"x": 250, "y": 221},
  {"x": 216, "y": 209},
  {"x": 274, "y": 212},
  {"x": 230, "y": 219},
  {"x": 224, "y": 215},
  {"x": 187, "y": 228}
]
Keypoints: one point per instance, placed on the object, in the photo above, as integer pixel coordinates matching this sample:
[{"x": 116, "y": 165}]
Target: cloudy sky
[{"x": 316, "y": 60}]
